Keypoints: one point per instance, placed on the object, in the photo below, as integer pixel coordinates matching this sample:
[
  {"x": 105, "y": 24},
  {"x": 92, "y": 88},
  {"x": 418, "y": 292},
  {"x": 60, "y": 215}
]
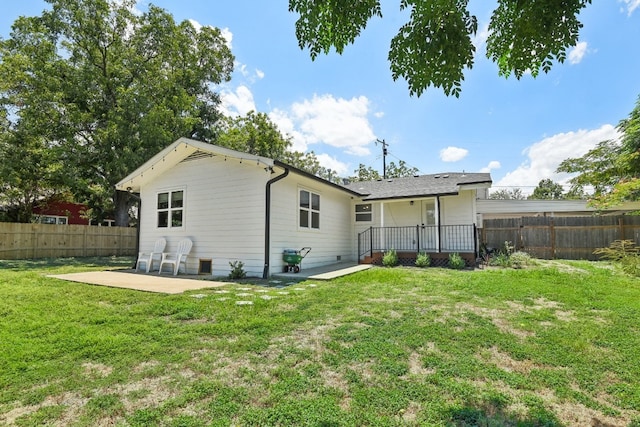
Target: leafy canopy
[
  {"x": 612, "y": 168},
  {"x": 436, "y": 46},
  {"x": 105, "y": 88}
]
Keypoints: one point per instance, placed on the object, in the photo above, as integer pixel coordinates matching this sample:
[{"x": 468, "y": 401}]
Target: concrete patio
[{"x": 152, "y": 282}]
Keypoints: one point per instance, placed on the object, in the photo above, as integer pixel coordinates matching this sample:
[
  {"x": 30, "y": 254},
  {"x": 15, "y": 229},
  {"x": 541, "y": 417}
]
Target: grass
[{"x": 554, "y": 345}]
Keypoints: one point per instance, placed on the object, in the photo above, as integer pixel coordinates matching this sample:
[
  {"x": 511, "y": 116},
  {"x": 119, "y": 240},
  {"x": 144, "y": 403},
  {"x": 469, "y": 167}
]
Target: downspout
[{"x": 267, "y": 222}]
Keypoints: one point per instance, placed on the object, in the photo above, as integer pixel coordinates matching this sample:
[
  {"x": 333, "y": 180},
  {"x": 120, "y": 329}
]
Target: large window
[
  {"x": 309, "y": 209},
  {"x": 363, "y": 213},
  {"x": 170, "y": 209}
]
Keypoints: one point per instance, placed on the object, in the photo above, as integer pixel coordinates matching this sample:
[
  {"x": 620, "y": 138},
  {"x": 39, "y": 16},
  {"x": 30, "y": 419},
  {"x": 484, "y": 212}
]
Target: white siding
[
  {"x": 458, "y": 210},
  {"x": 334, "y": 239},
  {"x": 223, "y": 213}
]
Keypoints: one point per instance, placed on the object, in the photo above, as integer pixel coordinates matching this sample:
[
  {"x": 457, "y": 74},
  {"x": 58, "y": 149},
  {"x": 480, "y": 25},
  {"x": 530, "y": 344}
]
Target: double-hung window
[
  {"x": 170, "y": 209},
  {"x": 309, "y": 210},
  {"x": 363, "y": 212}
]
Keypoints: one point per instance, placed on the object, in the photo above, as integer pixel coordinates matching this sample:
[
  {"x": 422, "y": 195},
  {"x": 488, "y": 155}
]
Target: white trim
[
  {"x": 169, "y": 209},
  {"x": 309, "y": 209}
]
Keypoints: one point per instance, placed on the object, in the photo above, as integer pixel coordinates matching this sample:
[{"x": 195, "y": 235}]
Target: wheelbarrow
[{"x": 293, "y": 258}]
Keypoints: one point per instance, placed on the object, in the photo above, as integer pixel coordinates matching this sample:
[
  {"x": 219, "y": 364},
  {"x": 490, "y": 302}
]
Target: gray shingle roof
[{"x": 419, "y": 186}]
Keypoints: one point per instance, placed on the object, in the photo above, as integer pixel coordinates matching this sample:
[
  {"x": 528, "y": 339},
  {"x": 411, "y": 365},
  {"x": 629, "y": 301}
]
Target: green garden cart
[{"x": 293, "y": 258}]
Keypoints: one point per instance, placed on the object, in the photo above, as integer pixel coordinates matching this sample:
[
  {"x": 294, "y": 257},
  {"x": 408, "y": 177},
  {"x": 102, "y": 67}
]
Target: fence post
[
  {"x": 621, "y": 225},
  {"x": 553, "y": 239}
]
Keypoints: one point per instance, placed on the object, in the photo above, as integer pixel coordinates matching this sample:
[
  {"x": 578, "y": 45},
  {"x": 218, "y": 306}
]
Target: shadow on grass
[
  {"x": 44, "y": 263},
  {"x": 487, "y": 415}
]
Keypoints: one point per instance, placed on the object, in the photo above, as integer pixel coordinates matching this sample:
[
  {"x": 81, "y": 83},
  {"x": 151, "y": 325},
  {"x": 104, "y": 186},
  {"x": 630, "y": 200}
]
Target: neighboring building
[
  {"x": 240, "y": 207},
  {"x": 61, "y": 212},
  {"x": 500, "y": 209}
]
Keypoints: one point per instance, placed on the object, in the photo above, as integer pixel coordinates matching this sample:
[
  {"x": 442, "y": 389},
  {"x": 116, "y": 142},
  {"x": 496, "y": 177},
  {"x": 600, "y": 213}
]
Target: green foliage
[
  {"x": 423, "y": 260},
  {"x": 612, "y": 168},
  {"x": 435, "y": 46},
  {"x": 237, "y": 270},
  {"x": 521, "y": 259},
  {"x": 106, "y": 88},
  {"x": 623, "y": 252},
  {"x": 390, "y": 258},
  {"x": 374, "y": 339},
  {"x": 456, "y": 261},
  {"x": 367, "y": 173},
  {"x": 501, "y": 260},
  {"x": 507, "y": 194},
  {"x": 254, "y": 133},
  {"x": 547, "y": 190}
]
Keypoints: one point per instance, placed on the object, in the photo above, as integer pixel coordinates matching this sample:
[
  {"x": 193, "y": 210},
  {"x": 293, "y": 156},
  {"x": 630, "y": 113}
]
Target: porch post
[
  {"x": 438, "y": 225},
  {"x": 383, "y": 244}
]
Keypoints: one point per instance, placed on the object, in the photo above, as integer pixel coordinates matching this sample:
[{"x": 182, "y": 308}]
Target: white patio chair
[
  {"x": 156, "y": 254},
  {"x": 180, "y": 257}
]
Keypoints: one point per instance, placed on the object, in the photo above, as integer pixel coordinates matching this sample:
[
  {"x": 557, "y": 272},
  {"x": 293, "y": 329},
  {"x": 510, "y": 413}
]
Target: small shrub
[
  {"x": 625, "y": 253},
  {"x": 507, "y": 248},
  {"x": 456, "y": 261},
  {"x": 237, "y": 270},
  {"x": 501, "y": 260},
  {"x": 423, "y": 260},
  {"x": 390, "y": 258},
  {"x": 521, "y": 259}
]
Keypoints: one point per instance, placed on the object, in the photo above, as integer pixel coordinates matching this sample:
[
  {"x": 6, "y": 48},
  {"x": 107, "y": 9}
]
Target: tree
[
  {"x": 400, "y": 170},
  {"x": 612, "y": 168},
  {"x": 107, "y": 88},
  {"x": 507, "y": 194},
  {"x": 255, "y": 134},
  {"x": 436, "y": 45},
  {"x": 547, "y": 190},
  {"x": 367, "y": 173}
]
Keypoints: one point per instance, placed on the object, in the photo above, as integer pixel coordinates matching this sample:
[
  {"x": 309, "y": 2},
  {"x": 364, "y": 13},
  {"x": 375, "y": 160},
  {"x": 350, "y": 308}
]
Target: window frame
[
  {"x": 170, "y": 210},
  {"x": 309, "y": 209},
  {"x": 363, "y": 214}
]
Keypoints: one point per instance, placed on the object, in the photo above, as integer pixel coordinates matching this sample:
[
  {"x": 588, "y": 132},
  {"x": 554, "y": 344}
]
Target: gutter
[{"x": 267, "y": 219}]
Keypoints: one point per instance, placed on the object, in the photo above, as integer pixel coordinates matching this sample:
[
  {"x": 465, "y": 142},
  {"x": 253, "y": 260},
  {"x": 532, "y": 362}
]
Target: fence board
[
  {"x": 27, "y": 241},
  {"x": 560, "y": 237}
]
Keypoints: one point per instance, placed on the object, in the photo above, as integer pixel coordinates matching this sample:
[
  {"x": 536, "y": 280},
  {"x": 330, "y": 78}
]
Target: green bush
[
  {"x": 390, "y": 258},
  {"x": 456, "y": 261},
  {"x": 423, "y": 260},
  {"x": 521, "y": 259},
  {"x": 237, "y": 270},
  {"x": 625, "y": 253},
  {"x": 501, "y": 260}
]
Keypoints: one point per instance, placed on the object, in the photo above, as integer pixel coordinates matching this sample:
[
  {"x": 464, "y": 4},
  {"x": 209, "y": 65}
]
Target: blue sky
[{"x": 338, "y": 105}]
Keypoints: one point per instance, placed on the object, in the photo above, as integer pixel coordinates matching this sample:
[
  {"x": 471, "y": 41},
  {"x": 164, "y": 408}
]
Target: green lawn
[{"x": 553, "y": 345}]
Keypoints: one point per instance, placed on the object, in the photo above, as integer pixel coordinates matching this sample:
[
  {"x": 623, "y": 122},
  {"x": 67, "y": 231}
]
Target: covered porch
[{"x": 438, "y": 241}]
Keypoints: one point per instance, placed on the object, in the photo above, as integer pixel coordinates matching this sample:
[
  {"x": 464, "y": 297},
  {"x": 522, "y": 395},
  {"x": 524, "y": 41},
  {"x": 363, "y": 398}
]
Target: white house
[{"x": 241, "y": 207}]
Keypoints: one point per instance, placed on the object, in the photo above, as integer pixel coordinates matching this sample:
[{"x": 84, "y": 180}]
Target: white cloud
[
  {"x": 259, "y": 74},
  {"x": 453, "y": 154},
  {"x": 337, "y": 167},
  {"x": 631, "y": 5},
  {"x": 337, "y": 122},
  {"x": 578, "y": 52},
  {"x": 494, "y": 164},
  {"x": 225, "y": 32},
  {"x": 237, "y": 103},
  {"x": 545, "y": 156},
  {"x": 228, "y": 36},
  {"x": 480, "y": 38}
]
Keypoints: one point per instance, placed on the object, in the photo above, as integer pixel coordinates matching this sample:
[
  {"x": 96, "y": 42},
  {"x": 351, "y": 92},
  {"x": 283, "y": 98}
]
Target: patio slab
[
  {"x": 128, "y": 279},
  {"x": 327, "y": 272}
]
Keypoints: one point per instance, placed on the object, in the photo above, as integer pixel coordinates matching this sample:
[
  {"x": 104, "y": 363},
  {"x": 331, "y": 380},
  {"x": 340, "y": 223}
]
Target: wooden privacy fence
[
  {"x": 560, "y": 237},
  {"x": 27, "y": 241}
]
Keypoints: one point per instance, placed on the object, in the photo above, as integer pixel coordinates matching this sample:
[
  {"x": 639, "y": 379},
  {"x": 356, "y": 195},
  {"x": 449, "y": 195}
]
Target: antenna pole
[{"x": 384, "y": 157}]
